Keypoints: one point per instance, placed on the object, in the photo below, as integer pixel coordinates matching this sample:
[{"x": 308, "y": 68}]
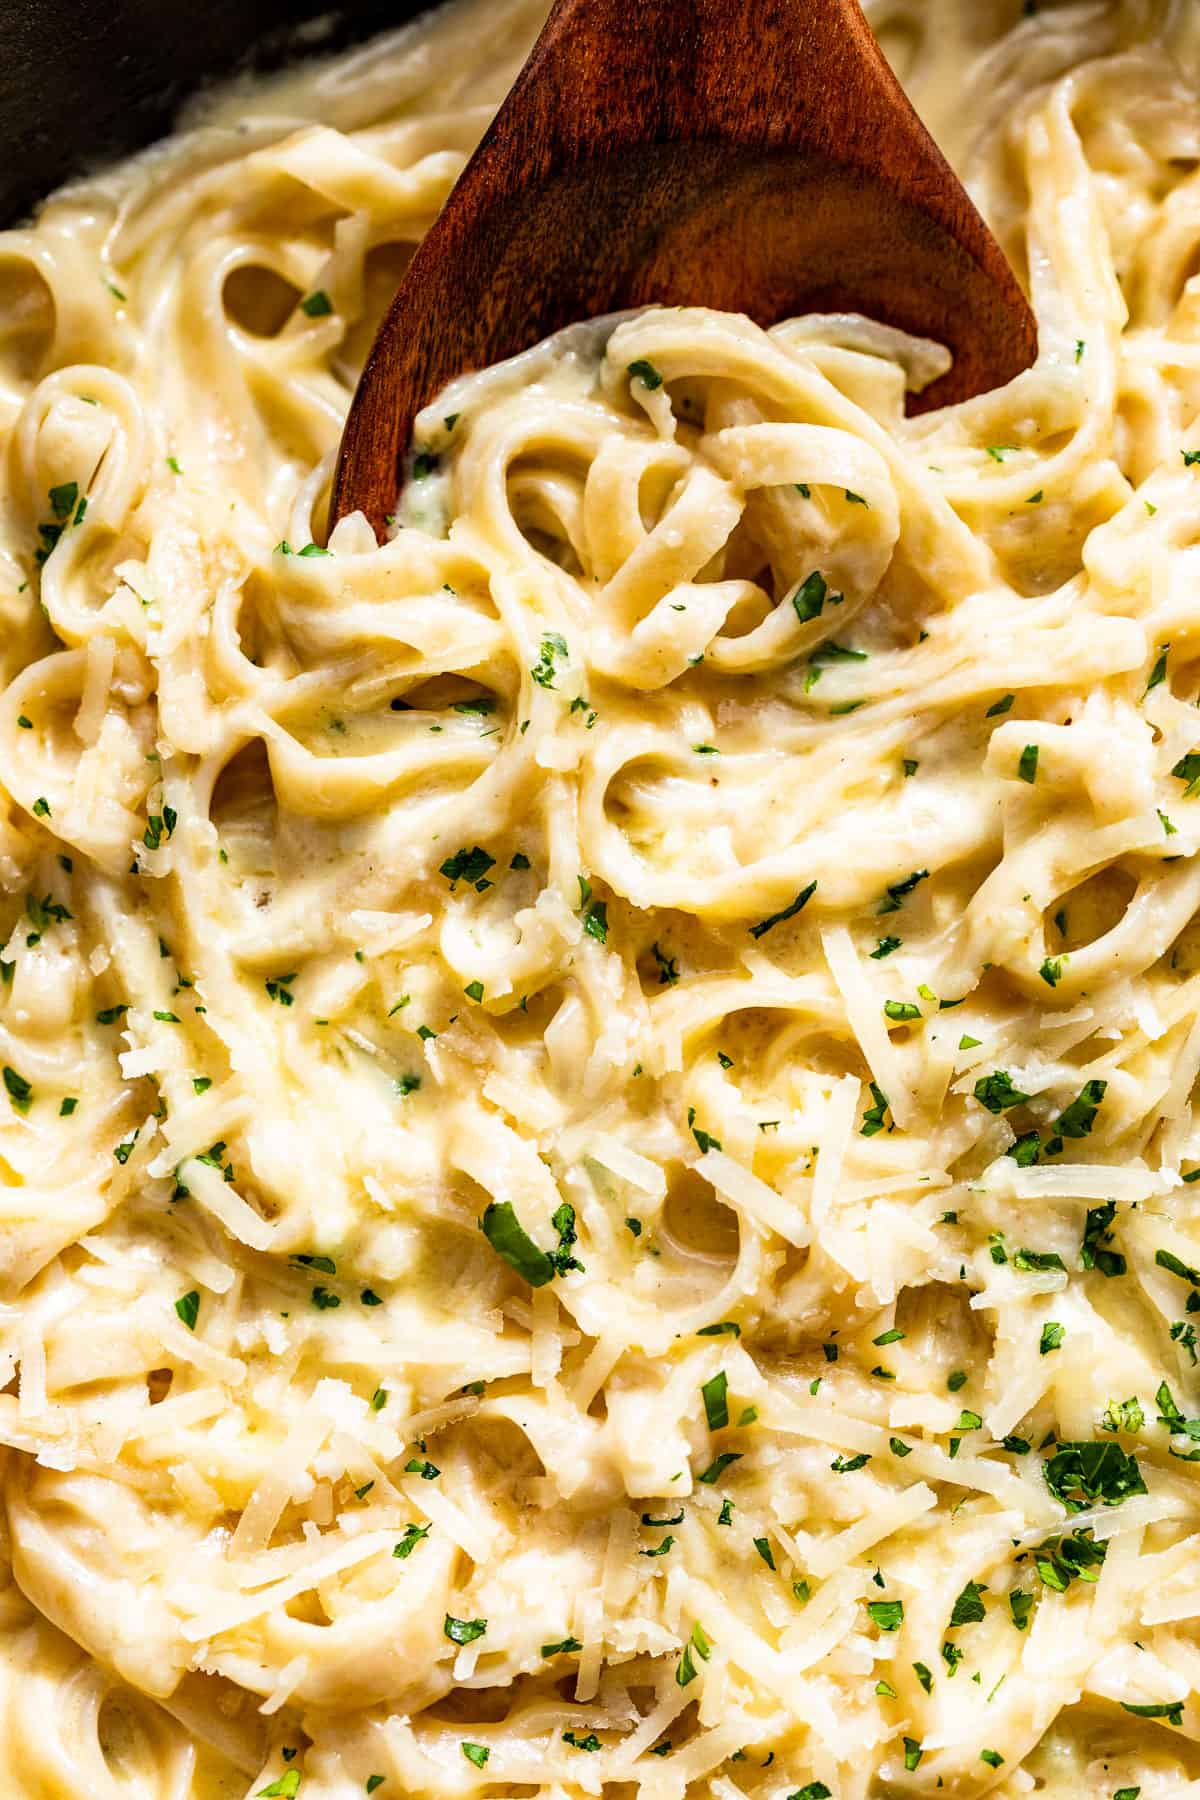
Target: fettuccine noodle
[{"x": 598, "y": 1114}]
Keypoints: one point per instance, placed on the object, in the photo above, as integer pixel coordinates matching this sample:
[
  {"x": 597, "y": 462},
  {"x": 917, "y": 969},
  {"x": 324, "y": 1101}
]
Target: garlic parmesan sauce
[{"x": 597, "y": 1134}]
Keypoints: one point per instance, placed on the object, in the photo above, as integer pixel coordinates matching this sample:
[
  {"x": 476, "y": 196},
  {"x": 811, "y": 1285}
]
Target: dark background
[{"x": 82, "y": 84}]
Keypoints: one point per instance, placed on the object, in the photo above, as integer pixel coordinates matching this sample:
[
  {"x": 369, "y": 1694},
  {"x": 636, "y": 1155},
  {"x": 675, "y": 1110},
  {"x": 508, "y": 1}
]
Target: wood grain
[{"x": 756, "y": 156}]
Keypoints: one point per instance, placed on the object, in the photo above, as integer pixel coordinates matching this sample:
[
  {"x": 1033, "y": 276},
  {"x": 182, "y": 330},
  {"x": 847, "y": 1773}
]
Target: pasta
[{"x": 599, "y": 1100}]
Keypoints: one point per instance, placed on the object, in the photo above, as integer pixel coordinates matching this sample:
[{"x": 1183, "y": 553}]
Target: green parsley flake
[
  {"x": 874, "y": 1116},
  {"x": 1085, "y": 1474},
  {"x": 789, "y": 912},
  {"x": 1170, "y": 1710},
  {"x": 19, "y": 1091},
  {"x": 716, "y": 1401},
  {"x": 646, "y": 373},
  {"x": 463, "y": 1631},
  {"x": 188, "y": 1308},
  {"x": 718, "y": 1466},
  {"x": 887, "y": 1614},
  {"x": 285, "y": 1788},
  {"x": 553, "y": 650},
  {"x": 969, "y": 1608},
  {"x": 412, "y": 1537},
  {"x": 997, "y": 1092},
  {"x": 1080, "y": 1116},
  {"x": 809, "y": 598},
  {"x": 900, "y": 890},
  {"x": 468, "y": 865},
  {"x": 595, "y": 921},
  {"x": 698, "y": 1642}
]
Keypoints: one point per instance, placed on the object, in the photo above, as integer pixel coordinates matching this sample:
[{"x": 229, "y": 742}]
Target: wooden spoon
[{"x": 756, "y": 156}]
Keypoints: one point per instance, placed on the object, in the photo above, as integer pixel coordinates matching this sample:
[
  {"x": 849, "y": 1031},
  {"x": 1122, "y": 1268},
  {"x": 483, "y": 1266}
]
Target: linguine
[{"x": 599, "y": 1100}]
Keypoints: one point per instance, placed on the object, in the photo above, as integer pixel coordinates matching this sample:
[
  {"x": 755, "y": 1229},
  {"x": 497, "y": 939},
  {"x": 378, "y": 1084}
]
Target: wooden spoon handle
[{"x": 763, "y": 72}]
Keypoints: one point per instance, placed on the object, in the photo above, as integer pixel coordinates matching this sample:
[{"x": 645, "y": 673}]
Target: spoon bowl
[{"x": 752, "y": 156}]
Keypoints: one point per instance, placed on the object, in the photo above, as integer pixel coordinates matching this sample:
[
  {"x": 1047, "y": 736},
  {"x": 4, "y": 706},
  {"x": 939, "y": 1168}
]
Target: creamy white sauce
[{"x": 711, "y": 839}]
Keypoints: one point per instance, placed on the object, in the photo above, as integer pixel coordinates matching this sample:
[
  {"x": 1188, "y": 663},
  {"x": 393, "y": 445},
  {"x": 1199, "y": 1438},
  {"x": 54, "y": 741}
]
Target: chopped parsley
[
  {"x": 716, "y": 1401},
  {"x": 1062, "y": 1561},
  {"x": 832, "y": 652},
  {"x": 1123, "y": 1415},
  {"x": 969, "y": 1608},
  {"x": 468, "y": 865},
  {"x": 1097, "y": 1234},
  {"x": 1036, "y": 1262},
  {"x": 595, "y": 921},
  {"x": 809, "y": 598},
  {"x": 463, "y": 1631},
  {"x": 417, "y": 1465},
  {"x": 875, "y": 1116},
  {"x": 412, "y": 1537},
  {"x": 188, "y": 1308},
  {"x": 668, "y": 967},
  {"x": 159, "y": 826},
  {"x": 288, "y": 1784},
  {"x": 900, "y": 890},
  {"x": 646, "y": 373},
  {"x": 1080, "y": 1116},
  {"x": 686, "y": 1671},
  {"x": 1170, "y": 1710},
  {"x": 718, "y": 1466},
  {"x": 789, "y": 912},
  {"x": 1187, "y": 770},
  {"x": 553, "y": 649},
  {"x": 997, "y": 1092},
  {"x": 887, "y": 1614},
  {"x": 1159, "y": 672},
  {"x": 19, "y": 1091},
  {"x": 901, "y": 1011},
  {"x": 1172, "y": 1264},
  {"x": 1086, "y": 1474}
]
